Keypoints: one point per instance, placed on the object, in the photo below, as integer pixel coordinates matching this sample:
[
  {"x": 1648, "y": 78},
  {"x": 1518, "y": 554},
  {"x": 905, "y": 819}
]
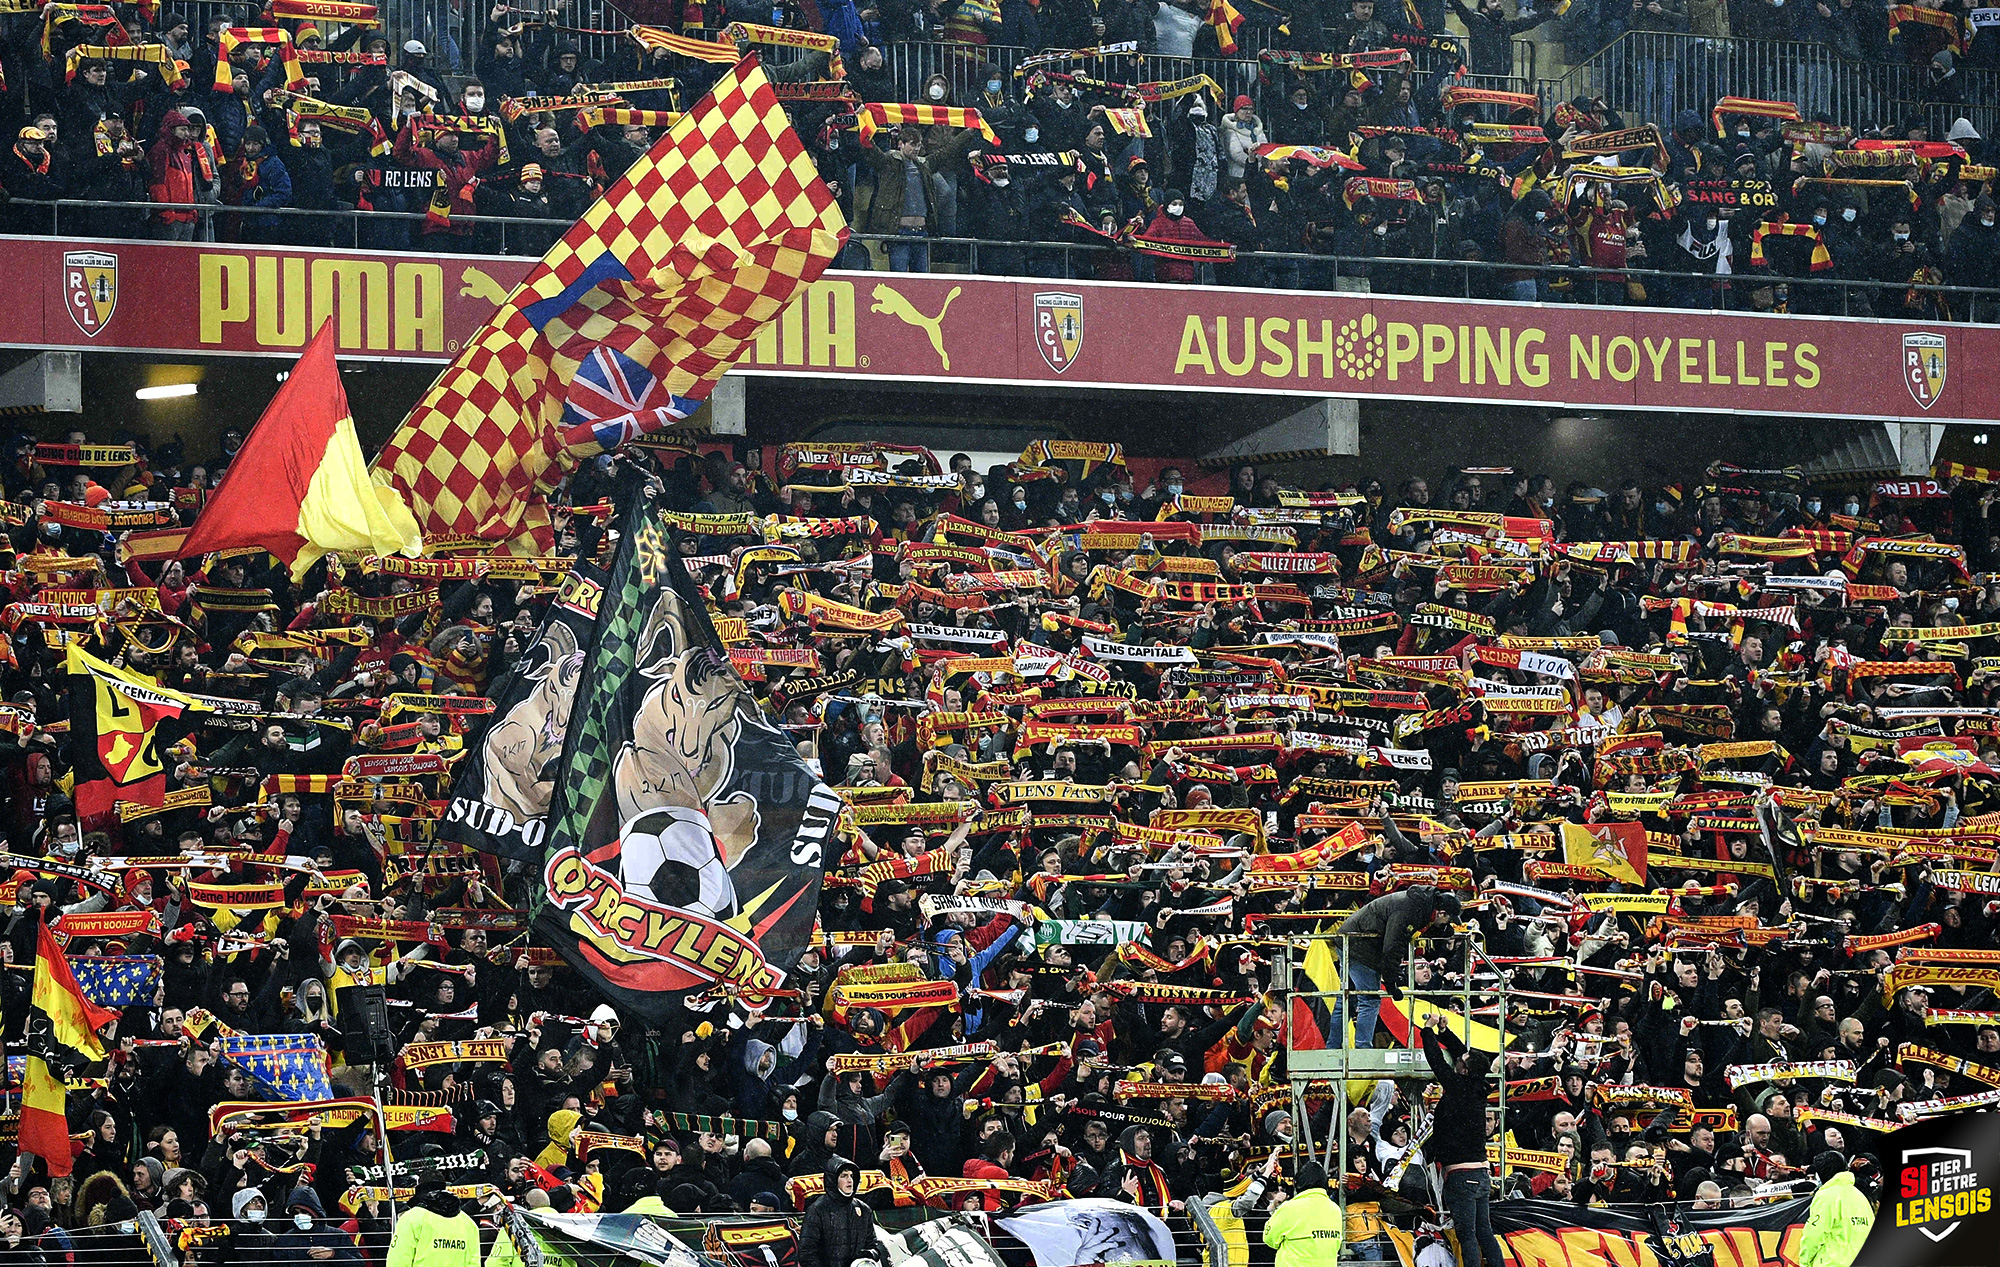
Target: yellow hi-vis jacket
[{"x": 1306, "y": 1230}]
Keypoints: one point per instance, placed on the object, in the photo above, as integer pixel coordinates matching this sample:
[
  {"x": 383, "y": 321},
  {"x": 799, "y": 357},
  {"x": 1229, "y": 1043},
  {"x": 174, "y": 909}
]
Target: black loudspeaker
[{"x": 364, "y": 1023}]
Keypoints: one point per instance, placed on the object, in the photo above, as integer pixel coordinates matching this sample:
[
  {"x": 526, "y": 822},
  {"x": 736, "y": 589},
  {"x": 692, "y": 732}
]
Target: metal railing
[
  {"x": 1653, "y": 75},
  {"x": 911, "y": 64},
  {"x": 346, "y": 228},
  {"x": 1341, "y": 1062}
]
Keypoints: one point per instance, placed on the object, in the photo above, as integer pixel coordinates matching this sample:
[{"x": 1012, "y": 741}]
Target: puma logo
[
  {"x": 477, "y": 285},
  {"x": 891, "y": 303}
]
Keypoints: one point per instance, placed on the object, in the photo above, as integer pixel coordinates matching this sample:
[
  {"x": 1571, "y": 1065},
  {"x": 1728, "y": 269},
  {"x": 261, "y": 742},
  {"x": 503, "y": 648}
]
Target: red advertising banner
[{"x": 185, "y": 298}]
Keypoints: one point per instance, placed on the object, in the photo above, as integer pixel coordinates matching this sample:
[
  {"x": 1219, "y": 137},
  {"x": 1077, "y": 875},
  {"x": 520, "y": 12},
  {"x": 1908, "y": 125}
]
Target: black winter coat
[{"x": 836, "y": 1230}]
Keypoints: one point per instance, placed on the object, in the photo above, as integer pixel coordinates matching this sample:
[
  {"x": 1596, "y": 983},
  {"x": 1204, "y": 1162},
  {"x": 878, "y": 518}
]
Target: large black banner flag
[
  {"x": 1563, "y": 1234},
  {"x": 686, "y": 837},
  {"x": 500, "y": 802},
  {"x": 1937, "y": 1208}
]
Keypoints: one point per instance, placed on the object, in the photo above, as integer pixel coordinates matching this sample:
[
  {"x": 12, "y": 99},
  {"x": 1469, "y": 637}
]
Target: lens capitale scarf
[
  {"x": 1212, "y": 1091},
  {"x": 236, "y": 36},
  {"x": 1822, "y": 259}
]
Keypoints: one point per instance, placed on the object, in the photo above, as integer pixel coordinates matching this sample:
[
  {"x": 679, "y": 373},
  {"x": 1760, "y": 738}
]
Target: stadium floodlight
[{"x": 167, "y": 391}]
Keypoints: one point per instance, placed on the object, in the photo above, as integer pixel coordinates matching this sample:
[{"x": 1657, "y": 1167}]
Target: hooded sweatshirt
[
  {"x": 295, "y": 1241},
  {"x": 561, "y": 1123}
]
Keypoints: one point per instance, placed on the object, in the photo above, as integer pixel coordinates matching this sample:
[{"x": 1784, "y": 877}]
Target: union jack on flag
[
  {"x": 694, "y": 251},
  {"x": 614, "y": 399}
]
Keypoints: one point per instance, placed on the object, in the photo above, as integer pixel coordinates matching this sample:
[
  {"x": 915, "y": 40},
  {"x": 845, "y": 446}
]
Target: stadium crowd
[
  {"x": 1110, "y": 745},
  {"x": 1359, "y": 139}
]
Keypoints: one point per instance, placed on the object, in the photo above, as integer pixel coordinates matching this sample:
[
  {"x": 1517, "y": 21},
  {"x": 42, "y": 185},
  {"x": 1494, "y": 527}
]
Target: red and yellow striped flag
[
  {"x": 627, "y": 324},
  {"x": 62, "y": 1040},
  {"x": 299, "y": 487}
]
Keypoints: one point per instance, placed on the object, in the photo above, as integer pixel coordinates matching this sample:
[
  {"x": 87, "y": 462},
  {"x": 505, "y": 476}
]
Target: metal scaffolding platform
[{"x": 1479, "y": 985}]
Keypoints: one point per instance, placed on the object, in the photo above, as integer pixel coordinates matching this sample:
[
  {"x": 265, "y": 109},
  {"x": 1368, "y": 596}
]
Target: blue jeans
[
  {"x": 1468, "y": 1194},
  {"x": 913, "y": 255},
  {"x": 1368, "y": 982}
]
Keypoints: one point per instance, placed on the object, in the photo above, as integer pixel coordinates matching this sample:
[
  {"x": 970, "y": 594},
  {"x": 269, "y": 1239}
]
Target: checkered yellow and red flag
[{"x": 625, "y": 326}]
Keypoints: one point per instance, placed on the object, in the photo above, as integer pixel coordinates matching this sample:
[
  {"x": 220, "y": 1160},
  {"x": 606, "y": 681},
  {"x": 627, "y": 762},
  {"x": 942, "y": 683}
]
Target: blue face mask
[
  {"x": 993, "y": 86},
  {"x": 1031, "y": 135}
]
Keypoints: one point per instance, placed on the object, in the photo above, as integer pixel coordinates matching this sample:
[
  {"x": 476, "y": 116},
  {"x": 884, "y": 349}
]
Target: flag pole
[{"x": 382, "y": 1138}]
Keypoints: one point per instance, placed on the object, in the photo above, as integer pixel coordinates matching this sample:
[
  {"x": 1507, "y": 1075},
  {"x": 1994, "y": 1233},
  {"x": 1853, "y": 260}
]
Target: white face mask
[
  {"x": 1000, "y": 182},
  {"x": 1173, "y": 490},
  {"x": 1175, "y": 208},
  {"x": 475, "y": 101},
  {"x": 1900, "y": 237},
  {"x": 1847, "y": 214},
  {"x": 1541, "y": 216},
  {"x": 302, "y": 1221},
  {"x": 935, "y": 92},
  {"x": 790, "y": 1115},
  {"x": 254, "y": 1216}
]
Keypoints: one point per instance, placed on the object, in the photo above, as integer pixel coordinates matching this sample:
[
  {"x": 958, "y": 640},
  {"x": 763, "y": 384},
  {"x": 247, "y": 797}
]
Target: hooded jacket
[
  {"x": 1837, "y": 1222},
  {"x": 1154, "y": 1189},
  {"x": 292, "y": 1242},
  {"x": 561, "y": 1123},
  {"x": 1380, "y": 931},
  {"x": 836, "y": 1229}
]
